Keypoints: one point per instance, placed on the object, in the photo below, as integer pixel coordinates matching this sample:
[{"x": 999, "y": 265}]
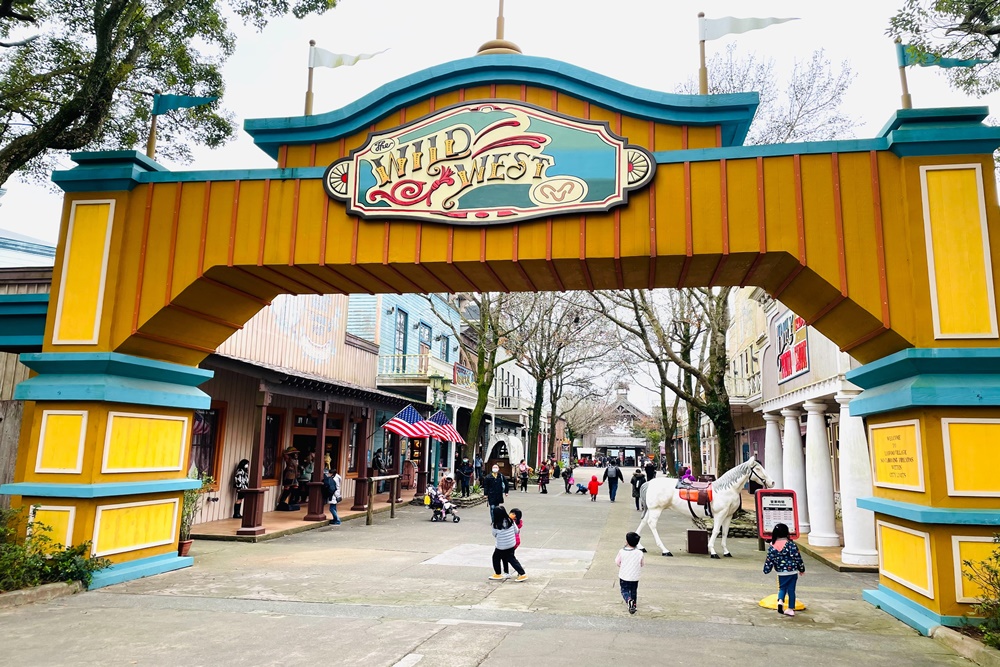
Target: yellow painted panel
[
  {"x": 187, "y": 240},
  {"x": 60, "y": 441},
  {"x": 897, "y": 457},
  {"x": 154, "y": 278},
  {"x": 309, "y": 230},
  {"x": 973, "y": 552},
  {"x": 81, "y": 294},
  {"x": 971, "y": 446},
  {"x": 278, "y": 238},
  {"x": 298, "y": 156},
  {"x": 60, "y": 521},
  {"x": 962, "y": 290},
  {"x": 822, "y": 245},
  {"x": 129, "y": 527},
  {"x": 860, "y": 239},
  {"x": 706, "y": 209},
  {"x": 702, "y": 137},
  {"x": 744, "y": 227},
  {"x": 508, "y": 91},
  {"x": 904, "y": 557},
  {"x": 144, "y": 443},
  {"x": 779, "y": 205},
  {"x": 670, "y": 213}
]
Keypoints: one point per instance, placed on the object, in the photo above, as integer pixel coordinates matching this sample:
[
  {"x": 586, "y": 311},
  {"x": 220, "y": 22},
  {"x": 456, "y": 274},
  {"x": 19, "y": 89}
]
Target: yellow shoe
[
  {"x": 521, "y": 577},
  {"x": 496, "y": 577}
]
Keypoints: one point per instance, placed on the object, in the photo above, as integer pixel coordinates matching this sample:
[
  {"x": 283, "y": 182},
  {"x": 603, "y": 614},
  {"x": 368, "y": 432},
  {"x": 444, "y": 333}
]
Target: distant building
[{"x": 20, "y": 251}]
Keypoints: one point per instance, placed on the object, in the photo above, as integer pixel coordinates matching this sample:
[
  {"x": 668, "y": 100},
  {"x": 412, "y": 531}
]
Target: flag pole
[
  {"x": 500, "y": 22},
  {"x": 309, "y": 88},
  {"x": 151, "y": 140},
  {"x": 907, "y": 101},
  {"x": 702, "y": 69}
]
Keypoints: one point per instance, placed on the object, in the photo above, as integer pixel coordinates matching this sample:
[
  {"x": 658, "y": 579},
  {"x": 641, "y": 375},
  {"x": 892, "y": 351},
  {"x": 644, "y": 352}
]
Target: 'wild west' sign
[{"x": 489, "y": 162}]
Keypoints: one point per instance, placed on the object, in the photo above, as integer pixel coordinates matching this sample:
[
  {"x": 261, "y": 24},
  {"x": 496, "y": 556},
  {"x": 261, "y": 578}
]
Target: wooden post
[
  {"x": 317, "y": 508},
  {"x": 703, "y": 68},
  {"x": 309, "y": 87},
  {"x": 371, "y": 505},
  {"x": 392, "y": 497},
  {"x": 253, "y": 501}
]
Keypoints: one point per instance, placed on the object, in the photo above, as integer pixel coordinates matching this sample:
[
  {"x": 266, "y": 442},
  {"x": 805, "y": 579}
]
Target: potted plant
[{"x": 190, "y": 505}]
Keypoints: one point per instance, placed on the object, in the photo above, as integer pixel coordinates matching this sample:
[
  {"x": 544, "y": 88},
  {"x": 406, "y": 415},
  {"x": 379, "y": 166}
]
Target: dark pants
[
  {"x": 479, "y": 475},
  {"x": 630, "y": 590},
  {"x": 506, "y": 556},
  {"x": 786, "y": 586},
  {"x": 637, "y": 502},
  {"x": 566, "y": 482},
  {"x": 524, "y": 483},
  {"x": 465, "y": 487},
  {"x": 612, "y": 488}
]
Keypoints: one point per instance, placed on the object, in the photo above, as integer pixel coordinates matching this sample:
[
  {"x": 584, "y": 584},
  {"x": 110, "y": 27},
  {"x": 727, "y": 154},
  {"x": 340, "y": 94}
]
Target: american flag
[
  {"x": 443, "y": 430},
  {"x": 409, "y": 423}
]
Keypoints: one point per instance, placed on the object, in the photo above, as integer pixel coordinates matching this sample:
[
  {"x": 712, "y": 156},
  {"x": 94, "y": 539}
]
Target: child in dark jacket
[
  {"x": 784, "y": 558},
  {"x": 594, "y": 487}
]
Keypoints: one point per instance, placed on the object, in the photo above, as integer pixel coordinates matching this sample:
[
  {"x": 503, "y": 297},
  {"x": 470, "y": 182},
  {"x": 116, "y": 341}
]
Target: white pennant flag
[
  {"x": 323, "y": 58},
  {"x": 715, "y": 28}
]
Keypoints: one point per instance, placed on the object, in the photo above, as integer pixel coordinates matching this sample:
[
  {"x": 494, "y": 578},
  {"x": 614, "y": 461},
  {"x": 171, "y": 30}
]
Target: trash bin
[{"x": 697, "y": 542}]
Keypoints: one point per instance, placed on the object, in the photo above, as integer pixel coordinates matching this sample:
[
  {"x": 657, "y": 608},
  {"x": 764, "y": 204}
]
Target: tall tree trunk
[
  {"x": 669, "y": 422},
  {"x": 536, "y": 423}
]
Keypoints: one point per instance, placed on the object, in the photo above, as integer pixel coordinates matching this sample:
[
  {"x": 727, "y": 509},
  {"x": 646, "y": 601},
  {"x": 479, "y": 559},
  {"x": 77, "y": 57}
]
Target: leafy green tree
[
  {"x": 964, "y": 29},
  {"x": 87, "y": 81}
]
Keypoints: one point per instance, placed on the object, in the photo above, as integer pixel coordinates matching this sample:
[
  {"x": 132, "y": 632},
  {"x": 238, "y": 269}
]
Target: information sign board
[{"x": 776, "y": 506}]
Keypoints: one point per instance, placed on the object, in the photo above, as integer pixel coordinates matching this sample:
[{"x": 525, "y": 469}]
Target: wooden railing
[{"x": 393, "y": 491}]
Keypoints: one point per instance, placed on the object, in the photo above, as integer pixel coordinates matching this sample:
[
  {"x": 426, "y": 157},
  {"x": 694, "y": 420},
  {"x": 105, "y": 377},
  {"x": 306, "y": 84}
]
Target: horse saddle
[{"x": 701, "y": 494}]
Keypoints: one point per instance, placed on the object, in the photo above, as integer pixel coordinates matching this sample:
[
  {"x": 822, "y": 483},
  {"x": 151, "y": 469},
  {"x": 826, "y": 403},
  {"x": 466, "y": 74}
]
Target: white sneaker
[{"x": 506, "y": 575}]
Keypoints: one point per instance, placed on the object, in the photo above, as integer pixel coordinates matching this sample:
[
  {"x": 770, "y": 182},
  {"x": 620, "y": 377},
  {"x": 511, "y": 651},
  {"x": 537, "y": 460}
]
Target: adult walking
[
  {"x": 543, "y": 479},
  {"x": 567, "y": 475},
  {"x": 613, "y": 475},
  {"x": 522, "y": 475},
  {"x": 495, "y": 488},
  {"x": 650, "y": 470},
  {"x": 464, "y": 476},
  {"x": 479, "y": 469},
  {"x": 637, "y": 481}
]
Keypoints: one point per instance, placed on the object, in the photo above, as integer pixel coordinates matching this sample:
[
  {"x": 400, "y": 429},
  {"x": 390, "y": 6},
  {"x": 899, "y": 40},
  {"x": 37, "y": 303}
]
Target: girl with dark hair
[
  {"x": 784, "y": 558},
  {"x": 505, "y": 534}
]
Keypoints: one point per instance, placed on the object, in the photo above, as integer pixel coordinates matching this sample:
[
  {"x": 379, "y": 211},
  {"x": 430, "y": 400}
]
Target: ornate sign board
[
  {"x": 490, "y": 162},
  {"x": 793, "y": 347},
  {"x": 897, "y": 460},
  {"x": 776, "y": 506}
]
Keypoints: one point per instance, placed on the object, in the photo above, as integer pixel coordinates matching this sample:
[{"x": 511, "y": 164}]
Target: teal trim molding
[
  {"x": 22, "y": 322},
  {"x": 928, "y": 377},
  {"x": 112, "y": 377},
  {"x": 106, "y": 490},
  {"x": 916, "y": 616},
  {"x": 733, "y": 112},
  {"x": 137, "y": 569},
  {"x": 925, "y": 514}
]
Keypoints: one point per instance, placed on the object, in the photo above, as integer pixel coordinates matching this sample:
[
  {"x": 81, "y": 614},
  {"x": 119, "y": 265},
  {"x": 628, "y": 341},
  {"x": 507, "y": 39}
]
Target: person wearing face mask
[{"x": 496, "y": 489}]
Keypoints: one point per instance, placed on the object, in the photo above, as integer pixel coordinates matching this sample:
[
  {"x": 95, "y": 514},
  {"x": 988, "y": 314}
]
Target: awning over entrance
[{"x": 588, "y": 451}]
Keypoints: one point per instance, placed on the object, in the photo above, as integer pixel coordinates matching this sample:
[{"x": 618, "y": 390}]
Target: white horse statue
[{"x": 661, "y": 493}]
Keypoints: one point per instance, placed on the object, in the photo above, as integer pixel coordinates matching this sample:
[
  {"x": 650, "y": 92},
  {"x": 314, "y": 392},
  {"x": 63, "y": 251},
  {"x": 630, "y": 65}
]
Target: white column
[
  {"x": 855, "y": 482},
  {"x": 793, "y": 470},
  {"x": 772, "y": 449},
  {"x": 819, "y": 478}
]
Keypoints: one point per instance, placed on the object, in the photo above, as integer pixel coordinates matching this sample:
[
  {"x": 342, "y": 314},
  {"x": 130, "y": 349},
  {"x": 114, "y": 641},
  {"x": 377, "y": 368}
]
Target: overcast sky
[{"x": 650, "y": 43}]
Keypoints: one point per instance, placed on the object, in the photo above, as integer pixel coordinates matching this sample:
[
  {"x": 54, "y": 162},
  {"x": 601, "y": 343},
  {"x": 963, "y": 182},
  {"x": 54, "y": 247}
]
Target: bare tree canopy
[{"x": 588, "y": 415}]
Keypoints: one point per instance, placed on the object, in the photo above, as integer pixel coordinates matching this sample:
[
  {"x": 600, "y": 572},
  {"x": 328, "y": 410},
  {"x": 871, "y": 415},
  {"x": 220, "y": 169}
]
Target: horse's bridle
[{"x": 754, "y": 473}]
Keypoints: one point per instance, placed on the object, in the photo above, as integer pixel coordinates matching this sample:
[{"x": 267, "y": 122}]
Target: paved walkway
[{"x": 411, "y": 592}]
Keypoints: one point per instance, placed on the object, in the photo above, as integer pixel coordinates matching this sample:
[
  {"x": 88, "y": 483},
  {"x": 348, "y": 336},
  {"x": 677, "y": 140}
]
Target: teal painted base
[
  {"x": 137, "y": 569},
  {"x": 914, "y": 615}
]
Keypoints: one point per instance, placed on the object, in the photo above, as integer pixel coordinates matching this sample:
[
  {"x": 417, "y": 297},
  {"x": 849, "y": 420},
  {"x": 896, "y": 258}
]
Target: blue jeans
[
  {"x": 333, "y": 511},
  {"x": 786, "y": 586},
  {"x": 630, "y": 590},
  {"x": 612, "y": 488},
  {"x": 492, "y": 507}
]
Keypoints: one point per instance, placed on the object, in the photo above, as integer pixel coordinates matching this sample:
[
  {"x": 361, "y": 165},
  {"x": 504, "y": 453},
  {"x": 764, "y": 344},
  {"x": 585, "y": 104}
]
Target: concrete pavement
[{"x": 411, "y": 592}]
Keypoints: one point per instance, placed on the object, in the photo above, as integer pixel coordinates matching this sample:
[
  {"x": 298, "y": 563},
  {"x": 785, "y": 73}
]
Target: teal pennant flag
[
  {"x": 907, "y": 55},
  {"x": 164, "y": 103}
]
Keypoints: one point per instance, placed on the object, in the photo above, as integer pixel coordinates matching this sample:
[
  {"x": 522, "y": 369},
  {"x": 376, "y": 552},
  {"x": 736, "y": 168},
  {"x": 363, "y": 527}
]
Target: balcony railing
[
  {"x": 413, "y": 366},
  {"x": 511, "y": 403},
  {"x": 743, "y": 387}
]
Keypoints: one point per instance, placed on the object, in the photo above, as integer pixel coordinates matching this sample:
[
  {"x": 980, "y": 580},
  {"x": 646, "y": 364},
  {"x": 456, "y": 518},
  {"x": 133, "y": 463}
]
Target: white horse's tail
[{"x": 642, "y": 499}]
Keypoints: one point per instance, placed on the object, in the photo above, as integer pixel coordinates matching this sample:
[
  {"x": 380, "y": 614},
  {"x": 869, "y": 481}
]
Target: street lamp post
[{"x": 439, "y": 383}]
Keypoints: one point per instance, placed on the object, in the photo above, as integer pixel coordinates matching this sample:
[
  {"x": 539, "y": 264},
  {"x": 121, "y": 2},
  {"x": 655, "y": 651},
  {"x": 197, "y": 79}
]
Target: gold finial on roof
[{"x": 499, "y": 45}]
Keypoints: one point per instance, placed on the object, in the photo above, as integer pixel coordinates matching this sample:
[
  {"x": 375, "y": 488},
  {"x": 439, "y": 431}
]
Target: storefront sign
[
  {"x": 776, "y": 506},
  {"x": 793, "y": 346},
  {"x": 486, "y": 163},
  {"x": 896, "y": 456}
]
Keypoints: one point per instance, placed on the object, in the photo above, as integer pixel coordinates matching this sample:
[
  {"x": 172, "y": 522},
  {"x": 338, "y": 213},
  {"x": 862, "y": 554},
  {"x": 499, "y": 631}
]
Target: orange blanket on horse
[{"x": 698, "y": 496}]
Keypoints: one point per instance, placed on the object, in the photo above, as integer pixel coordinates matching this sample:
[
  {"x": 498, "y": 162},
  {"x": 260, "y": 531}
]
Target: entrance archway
[{"x": 534, "y": 176}]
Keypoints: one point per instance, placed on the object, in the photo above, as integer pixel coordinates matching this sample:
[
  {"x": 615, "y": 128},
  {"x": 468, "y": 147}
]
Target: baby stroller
[{"x": 439, "y": 505}]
